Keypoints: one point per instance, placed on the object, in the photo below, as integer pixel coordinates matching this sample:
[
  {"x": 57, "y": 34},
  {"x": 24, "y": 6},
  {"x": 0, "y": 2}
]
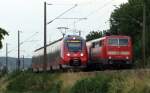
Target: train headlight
[
  {"x": 68, "y": 54},
  {"x": 127, "y": 57},
  {"x": 81, "y": 54},
  {"x": 109, "y": 57}
]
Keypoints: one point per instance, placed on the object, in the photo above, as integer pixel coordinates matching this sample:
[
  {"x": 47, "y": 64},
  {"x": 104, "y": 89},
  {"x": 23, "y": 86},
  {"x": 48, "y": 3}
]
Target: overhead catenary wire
[
  {"x": 95, "y": 11},
  {"x": 62, "y": 14},
  {"x": 91, "y": 13},
  {"x": 26, "y": 40},
  {"x": 72, "y": 3},
  {"x": 98, "y": 9}
]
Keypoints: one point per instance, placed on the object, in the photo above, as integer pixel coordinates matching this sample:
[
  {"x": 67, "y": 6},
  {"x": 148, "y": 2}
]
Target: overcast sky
[{"x": 27, "y": 16}]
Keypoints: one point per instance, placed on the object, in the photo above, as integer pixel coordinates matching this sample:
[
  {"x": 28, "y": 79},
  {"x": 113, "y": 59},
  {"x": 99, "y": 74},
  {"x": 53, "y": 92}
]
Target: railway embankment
[{"x": 116, "y": 81}]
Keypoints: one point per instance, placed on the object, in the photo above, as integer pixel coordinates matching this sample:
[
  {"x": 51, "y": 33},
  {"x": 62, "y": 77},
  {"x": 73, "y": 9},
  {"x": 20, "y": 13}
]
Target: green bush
[
  {"x": 36, "y": 83},
  {"x": 97, "y": 84}
]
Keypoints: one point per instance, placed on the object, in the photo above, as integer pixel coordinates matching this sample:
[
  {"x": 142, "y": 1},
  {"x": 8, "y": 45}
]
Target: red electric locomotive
[
  {"x": 111, "y": 51},
  {"x": 66, "y": 52}
]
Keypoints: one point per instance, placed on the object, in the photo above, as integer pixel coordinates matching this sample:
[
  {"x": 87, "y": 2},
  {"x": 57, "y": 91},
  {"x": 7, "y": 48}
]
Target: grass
[
  {"x": 135, "y": 81},
  {"x": 131, "y": 81}
]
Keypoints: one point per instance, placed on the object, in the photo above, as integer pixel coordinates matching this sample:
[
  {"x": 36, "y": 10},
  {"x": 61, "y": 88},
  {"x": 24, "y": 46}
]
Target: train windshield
[
  {"x": 113, "y": 41},
  {"x": 123, "y": 42},
  {"x": 74, "y": 46},
  {"x": 118, "y": 42}
]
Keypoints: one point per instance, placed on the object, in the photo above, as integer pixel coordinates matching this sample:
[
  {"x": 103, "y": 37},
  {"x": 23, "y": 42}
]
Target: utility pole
[
  {"x": 6, "y": 57},
  {"x": 45, "y": 41},
  {"x": 143, "y": 34},
  {"x": 79, "y": 33},
  {"x": 18, "y": 50},
  {"x": 23, "y": 62}
]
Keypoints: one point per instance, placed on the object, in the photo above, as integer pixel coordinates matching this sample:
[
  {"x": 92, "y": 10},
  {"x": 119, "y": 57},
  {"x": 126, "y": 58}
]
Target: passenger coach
[
  {"x": 68, "y": 52},
  {"x": 110, "y": 51}
]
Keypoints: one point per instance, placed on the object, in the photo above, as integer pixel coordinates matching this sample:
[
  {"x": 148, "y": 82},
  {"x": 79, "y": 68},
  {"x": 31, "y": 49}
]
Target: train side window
[
  {"x": 93, "y": 45},
  {"x": 96, "y": 44},
  {"x": 100, "y": 43}
]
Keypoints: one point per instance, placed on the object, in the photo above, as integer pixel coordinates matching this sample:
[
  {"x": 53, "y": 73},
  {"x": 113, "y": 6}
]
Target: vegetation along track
[{"x": 108, "y": 81}]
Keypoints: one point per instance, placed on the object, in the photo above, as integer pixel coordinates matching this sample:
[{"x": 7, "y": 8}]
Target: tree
[
  {"x": 2, "y": 34},
  {"x": 96, "y": 34},
  {"x": 93, "y": 35}
]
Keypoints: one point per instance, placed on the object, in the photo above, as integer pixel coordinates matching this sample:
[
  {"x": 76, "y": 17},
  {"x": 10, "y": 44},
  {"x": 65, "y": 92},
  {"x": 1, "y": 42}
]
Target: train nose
[{"x": 75, "y": 62}]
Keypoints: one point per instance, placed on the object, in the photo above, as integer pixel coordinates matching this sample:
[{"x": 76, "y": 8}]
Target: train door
[{"x": 96, "y": 50}]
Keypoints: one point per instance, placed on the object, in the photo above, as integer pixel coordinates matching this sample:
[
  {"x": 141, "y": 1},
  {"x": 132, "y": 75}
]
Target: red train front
[
  {"x": 74, "y": 52},
  {"x": 67, "y": 52},
  {"x": 111, "y": 50}
]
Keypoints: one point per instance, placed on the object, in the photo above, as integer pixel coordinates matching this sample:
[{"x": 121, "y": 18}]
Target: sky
[{"x": 27, "y": 16}]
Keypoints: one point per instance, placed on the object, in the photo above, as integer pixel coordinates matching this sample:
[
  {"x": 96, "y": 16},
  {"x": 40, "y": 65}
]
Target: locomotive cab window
[
  {"x": 113, "y": 41},
  {"x": 118, "y": 41},
  {"x": 123, "y": 42}
]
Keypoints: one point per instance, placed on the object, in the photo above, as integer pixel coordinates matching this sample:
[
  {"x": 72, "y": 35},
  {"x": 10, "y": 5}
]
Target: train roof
[
  {"x": 72, "y": 36},
  {"x": 105, "y": 37},
  {"x": 50, "y": 44},
  {"x": 65, "y": 38}
]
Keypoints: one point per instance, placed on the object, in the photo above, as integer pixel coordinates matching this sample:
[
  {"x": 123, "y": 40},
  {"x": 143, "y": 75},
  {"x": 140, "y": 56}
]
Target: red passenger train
[
  {"x": 66, "y": 52},
  {"x": 111, "y": 51}
]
